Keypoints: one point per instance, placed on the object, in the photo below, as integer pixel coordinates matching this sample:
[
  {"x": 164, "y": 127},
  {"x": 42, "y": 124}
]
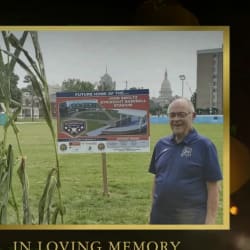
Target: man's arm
[{"x": 213, "y": 191}]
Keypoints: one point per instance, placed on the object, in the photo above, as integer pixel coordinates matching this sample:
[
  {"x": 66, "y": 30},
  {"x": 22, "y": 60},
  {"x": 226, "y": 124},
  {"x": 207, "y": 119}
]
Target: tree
[
  {"x": 154, "y": 108},
  {"x": 32, "y": 100},
  {"x": 193, "y": 99},
  {"x": 134, "y": 88},
  {"x": 28, "y": 88},
  {"x": 16, "y": 93},
  {"x": 76, "y": 85}
]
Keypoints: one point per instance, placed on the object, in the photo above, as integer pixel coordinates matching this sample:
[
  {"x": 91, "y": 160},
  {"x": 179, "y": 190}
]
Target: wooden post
[{"x": 104, "y": 175}]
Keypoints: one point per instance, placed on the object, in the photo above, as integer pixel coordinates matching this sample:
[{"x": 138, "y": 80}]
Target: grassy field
[{"x": 129, "y": 182}]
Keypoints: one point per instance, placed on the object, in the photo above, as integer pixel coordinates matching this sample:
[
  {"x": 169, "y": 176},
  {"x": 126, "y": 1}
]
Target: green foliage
[
  {"x": 27, "y": 217},
  {"x": 7, "y": 78},
  {"x": 6, "y": 170},
  {"x": 48, "y": 212},
  {"x": 28, "y": 88},
  {"x": 16, "y": 93},
  {"x": 76, "y": 85},
  {"x": 194, "y": 99},
  {"x": 154, "y": 108},
  {"x": 35, "y": 71}
]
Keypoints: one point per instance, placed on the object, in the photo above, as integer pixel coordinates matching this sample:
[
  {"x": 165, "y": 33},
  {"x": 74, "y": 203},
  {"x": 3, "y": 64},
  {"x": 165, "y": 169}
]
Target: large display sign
[{"x": 103, "y": 121}]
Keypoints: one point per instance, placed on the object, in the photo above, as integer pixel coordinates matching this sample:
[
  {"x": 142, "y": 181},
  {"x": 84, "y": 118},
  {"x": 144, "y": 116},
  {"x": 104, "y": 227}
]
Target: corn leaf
[
  {"x": 39, "y": 56},
  {"x": 46, "y": 199},
  {"x": 6, "y": 169},
  {"x": 27, "y": 217},
  {"x": 17, "y": 51},
  {"x": 49, "y": 209},
  {"x": 37, "y": 86}
]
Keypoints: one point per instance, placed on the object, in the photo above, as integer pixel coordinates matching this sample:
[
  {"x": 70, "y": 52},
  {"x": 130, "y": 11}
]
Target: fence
[{"x": 214, "y": 119}]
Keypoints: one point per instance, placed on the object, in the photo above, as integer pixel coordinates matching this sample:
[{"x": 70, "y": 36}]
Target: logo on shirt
[{"x": 186, "y": 152}]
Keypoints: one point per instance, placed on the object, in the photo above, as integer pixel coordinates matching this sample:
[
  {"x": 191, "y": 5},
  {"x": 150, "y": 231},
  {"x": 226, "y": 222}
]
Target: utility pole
[{"x": 182, "y": 78}]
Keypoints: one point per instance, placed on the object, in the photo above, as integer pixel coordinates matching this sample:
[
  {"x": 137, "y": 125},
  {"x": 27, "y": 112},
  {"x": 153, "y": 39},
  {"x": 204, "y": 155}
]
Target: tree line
[{"x": 77, "y": 85}]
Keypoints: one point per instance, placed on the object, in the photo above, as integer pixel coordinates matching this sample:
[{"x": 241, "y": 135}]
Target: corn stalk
[
  {"x": 48, "y": 211},
  {"x": 6, "y": 153},
  {"x": 6, "y": 170}
]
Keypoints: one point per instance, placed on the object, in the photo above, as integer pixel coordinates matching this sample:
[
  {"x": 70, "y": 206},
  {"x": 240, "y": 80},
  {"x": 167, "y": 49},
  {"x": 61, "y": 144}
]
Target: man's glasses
[{"x": 178, "y": 114}]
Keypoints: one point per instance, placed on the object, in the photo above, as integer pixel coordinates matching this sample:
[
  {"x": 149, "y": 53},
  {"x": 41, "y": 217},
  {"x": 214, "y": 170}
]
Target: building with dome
[
  {"x": 106, "y": 82},
  {"x": 165, "y": 93}
]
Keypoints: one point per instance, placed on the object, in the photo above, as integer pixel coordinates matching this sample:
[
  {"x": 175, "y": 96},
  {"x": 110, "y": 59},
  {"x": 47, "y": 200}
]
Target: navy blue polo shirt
[{"x": 182, "y": 170}]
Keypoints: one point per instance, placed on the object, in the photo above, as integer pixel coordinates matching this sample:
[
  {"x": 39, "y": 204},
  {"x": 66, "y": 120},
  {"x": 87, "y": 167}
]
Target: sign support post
[{"x": 104, "y": 175}]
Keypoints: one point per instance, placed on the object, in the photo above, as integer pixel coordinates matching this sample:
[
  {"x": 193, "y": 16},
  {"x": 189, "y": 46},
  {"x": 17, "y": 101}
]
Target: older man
[{"x": 187, "y": 172}]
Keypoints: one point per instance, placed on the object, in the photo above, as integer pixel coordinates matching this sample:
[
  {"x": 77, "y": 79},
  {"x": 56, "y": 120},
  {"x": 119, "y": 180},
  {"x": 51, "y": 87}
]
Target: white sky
[{"x": 138, "y": 57}]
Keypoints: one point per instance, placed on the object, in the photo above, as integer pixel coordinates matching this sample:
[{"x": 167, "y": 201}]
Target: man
[{"x": 187, "y": 172}]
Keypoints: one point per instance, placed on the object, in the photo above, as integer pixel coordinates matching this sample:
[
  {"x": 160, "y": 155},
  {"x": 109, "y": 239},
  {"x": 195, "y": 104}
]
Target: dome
[
  {"x": 165, "y": 91},
  {"x": 106, "y": 82}
]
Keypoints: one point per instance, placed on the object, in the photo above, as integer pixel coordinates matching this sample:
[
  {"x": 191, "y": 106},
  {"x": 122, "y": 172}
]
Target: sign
[{"x": 103, "y": 121}]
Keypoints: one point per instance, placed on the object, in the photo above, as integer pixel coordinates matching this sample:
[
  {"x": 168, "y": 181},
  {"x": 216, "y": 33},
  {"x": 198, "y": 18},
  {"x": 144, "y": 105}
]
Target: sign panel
[{"x": 103, "y": 121}]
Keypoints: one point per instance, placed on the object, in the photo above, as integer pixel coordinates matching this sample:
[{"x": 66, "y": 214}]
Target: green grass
[{"x": 129, "y": 183}]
